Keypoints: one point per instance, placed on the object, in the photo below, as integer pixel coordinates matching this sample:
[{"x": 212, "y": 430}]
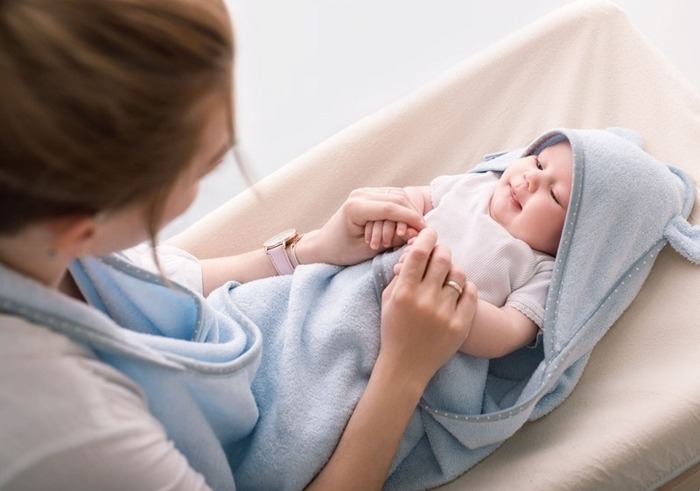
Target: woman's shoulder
[
  {"x": 61, "y": 407},
  {"x": 40, "y": 358}
]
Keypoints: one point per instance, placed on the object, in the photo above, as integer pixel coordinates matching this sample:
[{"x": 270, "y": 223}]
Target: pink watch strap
[
  {"x": 280, "y": 259},
  {"x": 276, "y": 250}
]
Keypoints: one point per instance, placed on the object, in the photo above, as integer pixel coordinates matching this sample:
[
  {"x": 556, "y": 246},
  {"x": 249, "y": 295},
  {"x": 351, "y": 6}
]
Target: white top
[{"x": 69, "y": 421}]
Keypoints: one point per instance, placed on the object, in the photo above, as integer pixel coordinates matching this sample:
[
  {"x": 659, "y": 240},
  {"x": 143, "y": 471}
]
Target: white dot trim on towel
[{"x": 474, "y": 418}]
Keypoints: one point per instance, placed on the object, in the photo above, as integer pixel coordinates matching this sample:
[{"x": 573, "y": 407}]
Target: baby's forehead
[
  {"x": 559, "y": 146},
  {"x": 560, "y": 155}
]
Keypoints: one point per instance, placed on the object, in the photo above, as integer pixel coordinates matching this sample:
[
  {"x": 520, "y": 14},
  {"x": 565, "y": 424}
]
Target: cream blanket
[{"x": 631, "y": 423}]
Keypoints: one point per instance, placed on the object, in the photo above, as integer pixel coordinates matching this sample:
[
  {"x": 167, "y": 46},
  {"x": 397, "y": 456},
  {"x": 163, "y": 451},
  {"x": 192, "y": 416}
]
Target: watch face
[{"x": 280, "y": 238}]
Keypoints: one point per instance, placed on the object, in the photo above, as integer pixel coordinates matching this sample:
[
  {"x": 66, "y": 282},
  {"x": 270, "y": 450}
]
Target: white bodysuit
[{"x": 505, "y": 270}]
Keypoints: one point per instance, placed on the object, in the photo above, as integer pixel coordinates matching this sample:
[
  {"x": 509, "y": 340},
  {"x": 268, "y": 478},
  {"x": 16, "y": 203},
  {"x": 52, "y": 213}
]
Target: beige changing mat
[{"x": 633, "y": 422}]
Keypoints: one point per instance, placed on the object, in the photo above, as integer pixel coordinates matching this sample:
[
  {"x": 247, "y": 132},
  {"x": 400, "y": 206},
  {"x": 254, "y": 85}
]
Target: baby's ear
[{"x": 629, "y": 135}]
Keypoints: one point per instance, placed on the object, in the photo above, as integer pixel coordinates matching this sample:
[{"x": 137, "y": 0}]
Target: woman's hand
[
  {"x": 342, "y": 239},
  {"x": 382, "y": 234},
  {"x": 424, "y": 319}
]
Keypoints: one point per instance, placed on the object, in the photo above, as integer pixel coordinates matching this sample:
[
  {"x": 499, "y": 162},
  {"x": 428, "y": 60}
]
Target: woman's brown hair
[{"x": 97, "y": 101}]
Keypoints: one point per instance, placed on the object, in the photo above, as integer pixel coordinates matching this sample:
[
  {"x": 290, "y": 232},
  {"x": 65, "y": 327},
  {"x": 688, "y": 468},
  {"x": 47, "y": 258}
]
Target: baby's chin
[{"x": 499, "y": 209}]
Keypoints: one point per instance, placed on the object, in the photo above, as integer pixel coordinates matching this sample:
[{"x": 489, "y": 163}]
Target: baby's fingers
[
  {"x": 401, "y": 229},
  {"x": 375, "y": 234},
  {"x": 368, "y": 231},
  {"x": 388, "y": 233}
]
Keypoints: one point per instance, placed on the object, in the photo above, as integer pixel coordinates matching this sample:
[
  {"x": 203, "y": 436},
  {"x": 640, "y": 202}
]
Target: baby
[{"x": 488, "y": 221}]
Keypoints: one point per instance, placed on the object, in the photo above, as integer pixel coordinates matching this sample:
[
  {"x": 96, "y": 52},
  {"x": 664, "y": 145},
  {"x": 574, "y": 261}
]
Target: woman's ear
[{"x": 73, "y": 235}]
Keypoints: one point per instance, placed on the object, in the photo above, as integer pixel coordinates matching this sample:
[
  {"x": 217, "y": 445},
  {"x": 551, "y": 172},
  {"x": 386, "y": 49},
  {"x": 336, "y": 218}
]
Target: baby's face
[{"x": 532, "y": 196}]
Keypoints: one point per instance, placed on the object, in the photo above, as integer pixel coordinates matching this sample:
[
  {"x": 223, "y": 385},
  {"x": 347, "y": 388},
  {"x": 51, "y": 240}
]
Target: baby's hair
[{"x": 98, "y": 99}]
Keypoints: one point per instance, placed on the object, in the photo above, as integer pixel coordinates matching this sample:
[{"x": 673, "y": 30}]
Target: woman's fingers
[
  {"x": 369, "y": 204},
  {"x": 466, "y": 303},
  {"x": 436, "y": 265},
  {"x": 455, "y": 286},
  {"x": 415, "y": 260},
  {"x": 439, "y": 266},
  {"x": 345, "y": 238}
]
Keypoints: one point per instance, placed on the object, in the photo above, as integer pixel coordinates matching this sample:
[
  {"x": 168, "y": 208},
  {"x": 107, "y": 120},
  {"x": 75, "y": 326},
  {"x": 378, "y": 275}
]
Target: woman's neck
[{"x": 31, "y": 256}]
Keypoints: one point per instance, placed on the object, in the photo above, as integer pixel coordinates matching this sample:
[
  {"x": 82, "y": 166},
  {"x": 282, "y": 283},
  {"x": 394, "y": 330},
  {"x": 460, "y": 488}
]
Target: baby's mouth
[{"x": 514, "y": 197}]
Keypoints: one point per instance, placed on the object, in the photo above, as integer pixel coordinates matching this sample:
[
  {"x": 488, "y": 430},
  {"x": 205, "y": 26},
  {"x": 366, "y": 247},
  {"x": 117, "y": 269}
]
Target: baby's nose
[{"x": 532, "y": 180}]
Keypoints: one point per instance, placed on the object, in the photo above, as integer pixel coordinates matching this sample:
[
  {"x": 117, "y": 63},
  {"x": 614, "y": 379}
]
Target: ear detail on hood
[
  {"x": 629, "y": 135},
  {"x": 494, "y": 155},
  {"x": 684, "y": 238}
]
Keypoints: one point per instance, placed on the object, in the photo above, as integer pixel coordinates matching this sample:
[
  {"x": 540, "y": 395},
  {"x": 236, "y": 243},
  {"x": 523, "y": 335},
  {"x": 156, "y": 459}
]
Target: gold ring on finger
[{"x": 455, "y": 285}]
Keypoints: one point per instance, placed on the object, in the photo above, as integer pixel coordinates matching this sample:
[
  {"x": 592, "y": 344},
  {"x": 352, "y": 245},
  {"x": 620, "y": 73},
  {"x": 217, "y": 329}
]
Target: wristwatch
[{"x": 276, "y": 250}]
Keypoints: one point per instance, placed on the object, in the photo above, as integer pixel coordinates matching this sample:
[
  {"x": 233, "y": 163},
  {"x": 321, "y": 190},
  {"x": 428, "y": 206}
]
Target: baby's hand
[{"x": 382, "y": 234}]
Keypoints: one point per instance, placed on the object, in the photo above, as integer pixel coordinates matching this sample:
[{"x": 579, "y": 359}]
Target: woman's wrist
[
  {"x": 402, "y": 380},
  {"x": 307, "y": 250}
]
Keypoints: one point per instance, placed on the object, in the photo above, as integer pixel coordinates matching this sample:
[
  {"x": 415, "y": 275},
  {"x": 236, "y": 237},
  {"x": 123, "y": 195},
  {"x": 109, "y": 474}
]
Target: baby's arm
[{"x": 495, "y": 331}]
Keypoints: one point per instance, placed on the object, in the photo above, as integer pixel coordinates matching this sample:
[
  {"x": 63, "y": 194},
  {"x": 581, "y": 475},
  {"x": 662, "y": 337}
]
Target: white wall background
[{"x": 305, "y": 69}]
